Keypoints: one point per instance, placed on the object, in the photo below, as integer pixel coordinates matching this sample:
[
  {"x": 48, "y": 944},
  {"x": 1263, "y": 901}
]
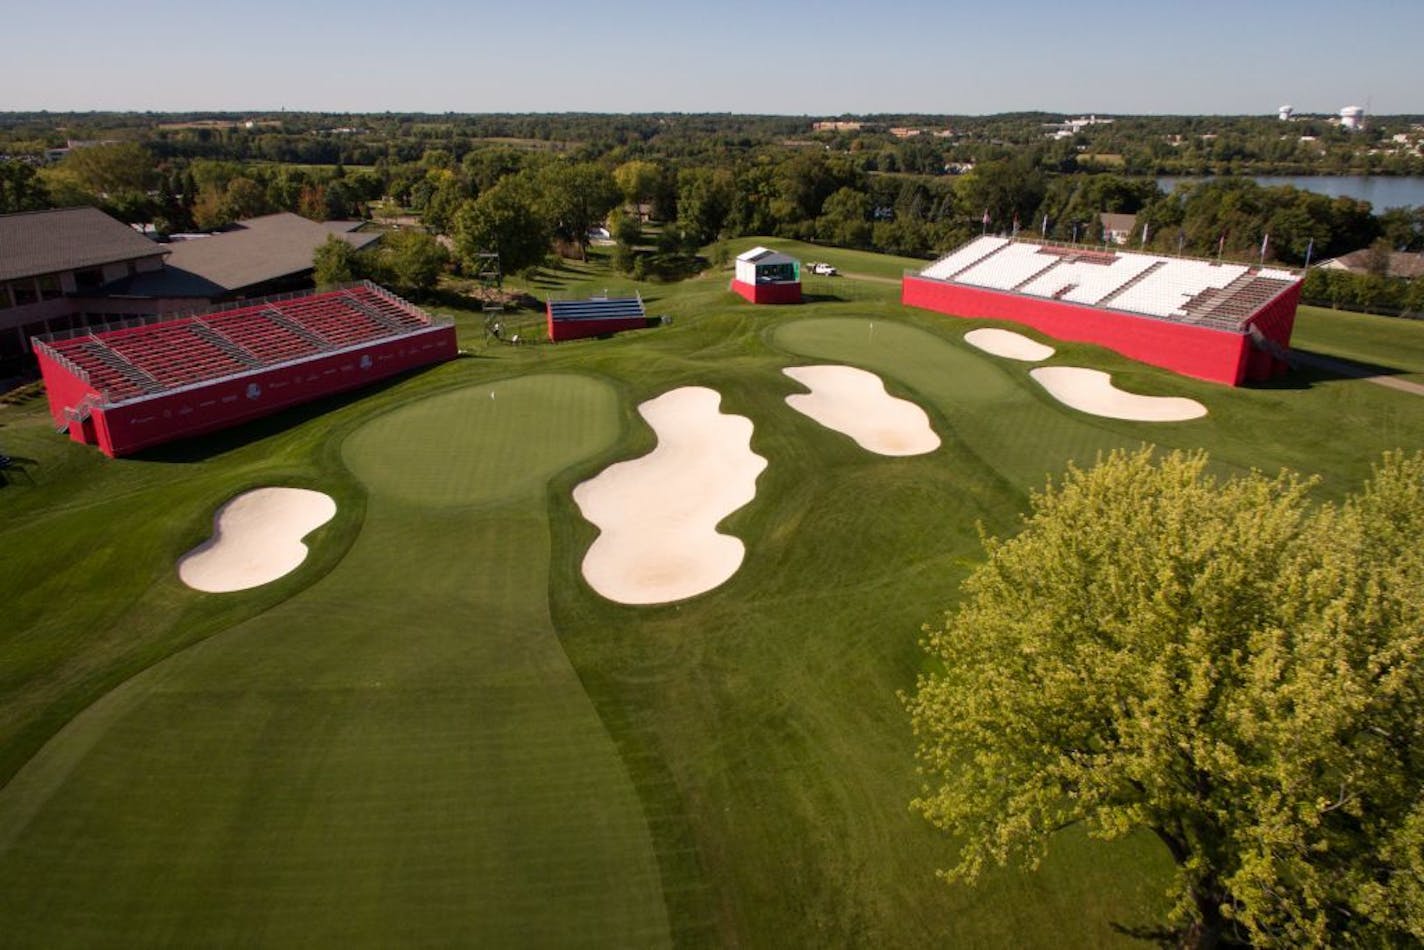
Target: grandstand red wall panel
[
  {"x": 1199, "y": 352},
  {"x": 561, "y": 330},
  {"x": 1277, "y": 321},
  {"x": 132, "y": 427},
  {"x": 62, "y": 387},
  {"x": 768, "y": 293}
]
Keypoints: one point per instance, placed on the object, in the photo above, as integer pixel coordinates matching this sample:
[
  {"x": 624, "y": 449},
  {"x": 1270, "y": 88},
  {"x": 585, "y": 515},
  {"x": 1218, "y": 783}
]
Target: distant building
[
  {"x": 837, "y": 126},
  {"x": 1117, "y": 228},
  {"x": 1284, "y": 113},
  {"x": 54, "y": 266},
  {"x": 78, "y": 268},
  {"x": 258, "y": 256},
  {"x": 1407, "y": 265},
  {"x": 1352, "y": 118}
]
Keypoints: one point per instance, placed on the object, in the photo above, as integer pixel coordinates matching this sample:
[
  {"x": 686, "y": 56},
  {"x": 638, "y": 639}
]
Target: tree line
[{"x": 669, "y": 186}]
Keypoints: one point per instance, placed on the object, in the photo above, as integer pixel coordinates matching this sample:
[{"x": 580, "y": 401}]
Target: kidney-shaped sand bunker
[
  {"x": 1008, "y": 344},
  {"x": 257, "y": 538},
  {"x": 1092, "y": 391},
  {"x": 855, "y": 403},
  {"x": 658, "y": 515}
]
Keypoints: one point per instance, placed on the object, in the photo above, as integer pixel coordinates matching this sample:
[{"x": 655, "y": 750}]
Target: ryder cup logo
[
  {"x": 253, "y": 390},
  {"x": 365, "y": 360}
]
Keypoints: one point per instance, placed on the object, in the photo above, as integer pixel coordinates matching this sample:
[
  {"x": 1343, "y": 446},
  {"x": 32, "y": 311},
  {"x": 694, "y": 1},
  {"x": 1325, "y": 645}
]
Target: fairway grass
[
  {"x": 399, "y": 755},
  {"x": 434, "y": 732}
]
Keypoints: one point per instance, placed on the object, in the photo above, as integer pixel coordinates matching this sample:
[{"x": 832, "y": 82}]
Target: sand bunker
[
  {"x": 1092, "y": 391},
  {"x": 257, "y": 538},
  {"x": 855, "y": 403},
  {"x": 658, "y": 515},
  {"x": 1008, "y": 344}
]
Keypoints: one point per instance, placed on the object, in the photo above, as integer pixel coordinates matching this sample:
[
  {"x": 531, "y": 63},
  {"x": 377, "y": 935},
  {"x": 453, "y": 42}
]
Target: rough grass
[
  {"x": 393, "y": 744},
  {"x": 1391, "y": 343}
]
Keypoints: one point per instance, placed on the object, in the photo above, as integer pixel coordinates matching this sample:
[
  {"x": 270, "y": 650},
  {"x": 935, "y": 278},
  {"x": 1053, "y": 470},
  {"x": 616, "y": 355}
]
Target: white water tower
[
  {"x": 1285, "y": 113},
  {"x": 1352, "y": 118}
]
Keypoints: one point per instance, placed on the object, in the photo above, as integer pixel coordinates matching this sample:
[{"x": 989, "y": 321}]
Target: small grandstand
[
  {"x": 128, "y": 389},
  {"x": 1223, "y": 322},
  {"x": 594, "y": 316}
]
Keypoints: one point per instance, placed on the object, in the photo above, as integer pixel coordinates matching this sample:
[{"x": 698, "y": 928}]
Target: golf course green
[{"x": 433, "y": 732}]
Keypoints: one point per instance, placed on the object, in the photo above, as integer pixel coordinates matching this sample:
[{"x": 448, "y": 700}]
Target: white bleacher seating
[
  {"x": 1009, "y": 267},
  {"x": 1166, "y": 291},
  {"x": 976, "y": 250}
]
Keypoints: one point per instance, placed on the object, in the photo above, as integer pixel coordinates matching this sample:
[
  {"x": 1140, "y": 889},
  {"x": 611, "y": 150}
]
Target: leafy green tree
[
  {"x": 506, "y": 219},
  {"x": 1218, "y": 662},
  {"x": 337, "y": 262},
  {"x": 485, "y": 167},
  {"x": 704, "y": 199},
  {"x": 845, "y": 218},
  {"x": 245, "y": 198},
  {"x": 411, "y": 262},
  {"x": 447, "y": 192},
  {"x": 637, "y": 180},
  {"x": 576, "y": 197},
  {"x": 111, "y": 168},
  {"x": 21, "y": 189}
]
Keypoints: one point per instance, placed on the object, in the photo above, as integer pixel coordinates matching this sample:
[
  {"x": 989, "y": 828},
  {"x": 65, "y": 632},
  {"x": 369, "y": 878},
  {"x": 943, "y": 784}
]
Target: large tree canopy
[
  {"x": 1220, "y": 662},
  {"x": 506, "y": 219}
]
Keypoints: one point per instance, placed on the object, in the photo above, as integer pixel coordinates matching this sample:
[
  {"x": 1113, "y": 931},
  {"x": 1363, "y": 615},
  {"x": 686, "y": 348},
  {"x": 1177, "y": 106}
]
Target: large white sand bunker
[
  {"x": 257, "y": 538},
  {"x": 855, "y": 403},
  {"x": 1092, "y": 391},
  {"x": 658, "y": 514},
  {"x": 1008, "y": 344}
]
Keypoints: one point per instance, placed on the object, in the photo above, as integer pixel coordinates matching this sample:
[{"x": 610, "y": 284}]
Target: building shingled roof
[
  {"x": 47, "y": 242},
  {"x": 252, "y": 253}
]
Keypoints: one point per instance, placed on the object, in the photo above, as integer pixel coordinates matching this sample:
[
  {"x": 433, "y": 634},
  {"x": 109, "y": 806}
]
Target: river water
[{"x": 1380, "y": 191}]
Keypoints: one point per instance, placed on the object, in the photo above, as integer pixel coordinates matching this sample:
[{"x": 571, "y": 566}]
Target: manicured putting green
[
  {"x": 483, "y": 443},
  {"x": 400, "y": 755}
]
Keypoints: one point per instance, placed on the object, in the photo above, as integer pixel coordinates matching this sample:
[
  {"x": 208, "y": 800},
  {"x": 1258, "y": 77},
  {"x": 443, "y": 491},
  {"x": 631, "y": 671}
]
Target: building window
[
  {"x": 5, "y": 302},
  {"x": 24, "y": 291},
  {"x": 49, "y": 287},
  {"x": 90, "y": 279}
]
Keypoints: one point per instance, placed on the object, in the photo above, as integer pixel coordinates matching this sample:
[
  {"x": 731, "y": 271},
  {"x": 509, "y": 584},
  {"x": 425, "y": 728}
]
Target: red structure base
[
  {"x": 562, "y": 330},
  {"x": 768, "y": 293},
  {"x": 1203, "y": 353},
  {"x": 127, "y": 428}
]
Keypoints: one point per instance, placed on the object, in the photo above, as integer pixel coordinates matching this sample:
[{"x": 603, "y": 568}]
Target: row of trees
[
  {"x": 1139, "y": 145},
  {"x": 128, "y": 181},
  {"x": 521, "y": 200}
]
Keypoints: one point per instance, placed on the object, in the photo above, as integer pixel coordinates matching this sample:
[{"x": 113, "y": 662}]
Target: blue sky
[{"x": 826, "y": 58}]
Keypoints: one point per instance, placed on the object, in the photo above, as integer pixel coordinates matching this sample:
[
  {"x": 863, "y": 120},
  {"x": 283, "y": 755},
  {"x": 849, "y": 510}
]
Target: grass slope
[
  {"x": 758, "y": 724},
  {"x": 400, "y": 754}
]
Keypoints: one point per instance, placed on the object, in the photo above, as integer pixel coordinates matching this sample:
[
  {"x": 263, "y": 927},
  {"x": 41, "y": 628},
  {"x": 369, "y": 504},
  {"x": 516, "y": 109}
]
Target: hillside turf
[{"x": 433, "y": 732}]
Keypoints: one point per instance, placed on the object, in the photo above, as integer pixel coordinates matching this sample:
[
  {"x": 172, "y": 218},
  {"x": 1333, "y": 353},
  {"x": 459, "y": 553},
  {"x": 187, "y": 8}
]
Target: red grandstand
[
  {"x": 128, "y": 389},
  {"x": 1227, "y": 323},
  {"x": 595, "y": 316}
]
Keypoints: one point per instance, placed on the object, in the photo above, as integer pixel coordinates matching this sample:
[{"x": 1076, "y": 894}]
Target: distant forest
[{"x": 668, "y": 186}]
